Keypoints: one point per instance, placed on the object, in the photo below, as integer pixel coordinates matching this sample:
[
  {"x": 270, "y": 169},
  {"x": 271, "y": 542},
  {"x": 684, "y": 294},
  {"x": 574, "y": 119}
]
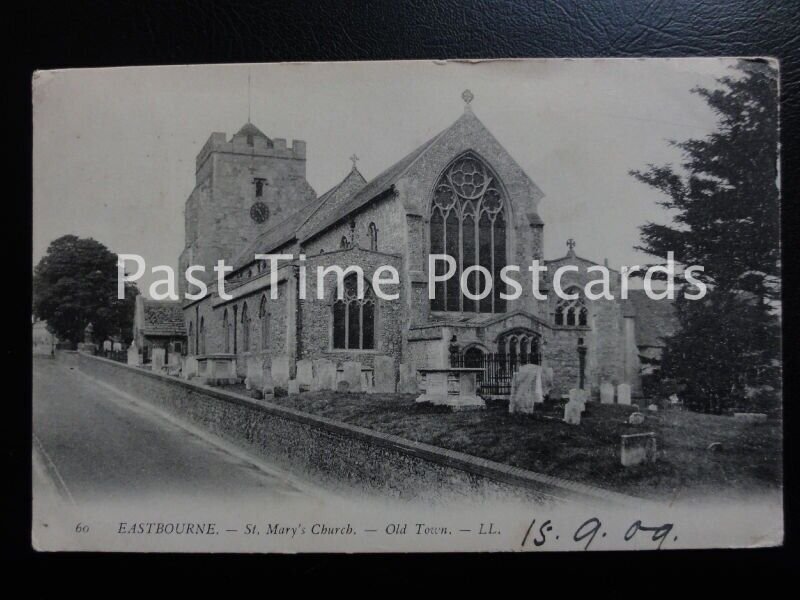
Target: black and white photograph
[{"x": 408, "y": 306}]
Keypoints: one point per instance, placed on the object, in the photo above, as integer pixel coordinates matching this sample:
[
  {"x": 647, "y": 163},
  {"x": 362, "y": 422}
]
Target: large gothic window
[
  {"x": 201, "y": 332},
  {"x": 571, "y": 313},
  {"x": 354, "y": 317},
  {"x": 191, "y": 338},
  {"x": 468, "y": 222}
]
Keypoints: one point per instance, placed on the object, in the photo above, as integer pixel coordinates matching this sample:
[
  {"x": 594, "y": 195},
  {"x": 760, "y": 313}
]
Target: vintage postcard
[{"x": 417, "y": 306}]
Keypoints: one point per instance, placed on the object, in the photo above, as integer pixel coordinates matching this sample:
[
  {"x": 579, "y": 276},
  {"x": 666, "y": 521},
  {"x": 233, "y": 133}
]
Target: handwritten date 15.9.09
[{"x": 592, "y": 529}]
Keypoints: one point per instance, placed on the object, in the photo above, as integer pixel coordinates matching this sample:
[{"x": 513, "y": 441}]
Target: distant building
[
  {"x": 159, "y": 324},
  {"x": 44, "y": 342}
]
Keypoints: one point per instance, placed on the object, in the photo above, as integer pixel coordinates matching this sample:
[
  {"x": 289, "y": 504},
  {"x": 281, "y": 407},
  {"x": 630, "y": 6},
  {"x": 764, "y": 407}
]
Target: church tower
[{"x": 244, "y": 186}]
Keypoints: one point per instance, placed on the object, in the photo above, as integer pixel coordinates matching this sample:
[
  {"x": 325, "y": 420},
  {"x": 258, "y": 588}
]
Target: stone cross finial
[
  {"x": 467, "y": 96},
  {"x": 571, "y": 245},
  {"x": 354, "y": 159}
]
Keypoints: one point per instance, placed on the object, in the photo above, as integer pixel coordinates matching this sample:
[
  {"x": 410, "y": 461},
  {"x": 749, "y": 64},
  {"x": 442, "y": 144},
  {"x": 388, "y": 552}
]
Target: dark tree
[
  {"x": 725, "y": 201},
  {"x": 75, "y": 284}
]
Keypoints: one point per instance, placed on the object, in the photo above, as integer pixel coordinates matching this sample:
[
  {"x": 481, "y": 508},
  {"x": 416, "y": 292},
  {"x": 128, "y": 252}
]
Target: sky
[{"x": 114, "y": 149}]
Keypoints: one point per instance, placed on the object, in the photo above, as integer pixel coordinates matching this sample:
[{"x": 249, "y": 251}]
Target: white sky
[{"x": 114, "y": 149}]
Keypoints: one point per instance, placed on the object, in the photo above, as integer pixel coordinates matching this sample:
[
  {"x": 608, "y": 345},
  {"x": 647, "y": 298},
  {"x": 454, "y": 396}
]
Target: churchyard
[
  {"x": 698, "y": 455},
  {"x": 613, "y": 441}
]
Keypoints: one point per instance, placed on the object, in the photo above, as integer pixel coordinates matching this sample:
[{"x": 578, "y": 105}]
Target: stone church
[{"x": 460, "y": 193}]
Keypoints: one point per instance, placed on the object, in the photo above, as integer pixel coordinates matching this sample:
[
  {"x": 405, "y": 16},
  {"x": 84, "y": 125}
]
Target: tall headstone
[
  {"x": 624, "y": 394},
  {"x": 117, "y": 347},
  {"x": 578, "y": 396},
  {"x": 367, "y": 380},
  {"x": 254, "y": 378},
  {"x": 294, "y": 386},
  {"x": 606, "y": 393},
  {"x": 324, "y": 375},
  {"x": 572, "y": 412},
  {"x": 189, "y": 367},
  {"x": 157, "y": 360},
  {"x": 133, "y": 355},
  {"x": 547, "y": 380},
  {"x": 351, "y": 373},
  {"x": 305, "y": 374},
  {"x": 384, "y": 375},
  {"x": 267, "y": 388},
  {"x": 408, "y": 380},
  {"x": 526, "y": 389},
  {"x": 280, "y": 373}
]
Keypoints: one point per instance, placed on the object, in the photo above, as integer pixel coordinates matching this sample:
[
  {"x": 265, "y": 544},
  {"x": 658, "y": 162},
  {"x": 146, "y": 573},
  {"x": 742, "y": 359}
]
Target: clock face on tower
[{"x": 259, "y": 212}]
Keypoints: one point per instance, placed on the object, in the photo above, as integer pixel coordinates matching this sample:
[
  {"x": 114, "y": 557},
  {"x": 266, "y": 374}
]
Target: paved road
[{"x": 94, "y": 444}]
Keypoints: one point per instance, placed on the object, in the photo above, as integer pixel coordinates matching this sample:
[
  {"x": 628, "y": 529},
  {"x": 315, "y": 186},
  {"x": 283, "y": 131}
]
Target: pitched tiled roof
[
  {"x": 655, "y": 319},
  {"x": 163, "y": 317},
  {"x": 284, "y": 232},
  {"x": 377, "y": 186},
  {"x": 250, "y": 129}
]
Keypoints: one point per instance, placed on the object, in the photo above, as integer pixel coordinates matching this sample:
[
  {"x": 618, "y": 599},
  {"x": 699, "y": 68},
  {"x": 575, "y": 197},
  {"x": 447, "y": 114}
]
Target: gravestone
[
  {"x": 384, "y": 375},
  {"x": 117, "y": 346},
  {"x": 107, "y": 345},
  {"x": 267, "y": 388},
  {"x": 606, "y": 393},
  {"x": 624, "y": 394},
  {"x": 572, "y": 412},
  {"x": 174, "y": 359},
  {"x": 157, "y": 361},
  {"x": 547, "y": 381},
  {"x": 305, "y": 374},
  {"x": 408, "y": 380},
  {"x": 753, "y": 417},
  {"x": 526, "y": 389},
  {"x": 351, "y": 373},
  {"x": 280, "y": 373},
  {"x": 367, "y": 380},
  {"x": 324, "y": 375},
  {"x": 638, "y": 448},
  {"x": 294, "y": 386},
  {"x": 254, "y": 377},
  {"x": 579, "y": 396},
  {"x": 189, "y": 367},
  {"x": 133, "y": 355},
  {"x": 653, "y": 408},
  {"x": 636, "y": 418},
  {"x": 343, "y": 386}
]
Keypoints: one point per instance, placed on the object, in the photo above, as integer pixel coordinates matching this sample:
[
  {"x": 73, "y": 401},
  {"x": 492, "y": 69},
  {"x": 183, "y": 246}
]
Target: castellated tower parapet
[
  {"x": 250, "y": 144},
  {"x": 243, "y": 186}
]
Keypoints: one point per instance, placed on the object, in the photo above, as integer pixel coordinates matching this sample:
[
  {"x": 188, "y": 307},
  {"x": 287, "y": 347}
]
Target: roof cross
[
  {"x": 355, "y": 159},
  {"x": 571, "y": 244}
]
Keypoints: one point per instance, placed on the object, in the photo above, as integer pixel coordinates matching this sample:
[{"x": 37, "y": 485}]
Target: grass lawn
[{"x": 749, "y": 460}]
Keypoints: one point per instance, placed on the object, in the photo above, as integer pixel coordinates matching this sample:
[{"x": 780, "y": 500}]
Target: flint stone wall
[{"x": 339, "y": 455}]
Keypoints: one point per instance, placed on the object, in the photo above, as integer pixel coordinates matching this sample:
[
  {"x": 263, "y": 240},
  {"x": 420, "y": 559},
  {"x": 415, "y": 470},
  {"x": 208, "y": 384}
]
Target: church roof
[
  {"x": 250, "y": 129},
  {"x": 377, "y": 186},
  {"x": 655, "y": 319},
  {"x": 285, "y": 231},
  {"x": 163, "y": 318}
]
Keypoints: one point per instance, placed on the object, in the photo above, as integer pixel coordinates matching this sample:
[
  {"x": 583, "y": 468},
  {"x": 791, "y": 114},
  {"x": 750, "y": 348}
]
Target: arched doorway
[{"x": 473, "y": 357}]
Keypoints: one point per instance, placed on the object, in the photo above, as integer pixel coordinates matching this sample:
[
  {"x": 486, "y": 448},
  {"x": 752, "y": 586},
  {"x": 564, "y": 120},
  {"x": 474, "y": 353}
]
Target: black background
[{"x": 95, "y": 34}]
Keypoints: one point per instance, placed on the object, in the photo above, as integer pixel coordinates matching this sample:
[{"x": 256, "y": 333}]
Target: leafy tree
[
  {"x": 725, "y": 204},
  {"x": 75, "y": 284}
]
